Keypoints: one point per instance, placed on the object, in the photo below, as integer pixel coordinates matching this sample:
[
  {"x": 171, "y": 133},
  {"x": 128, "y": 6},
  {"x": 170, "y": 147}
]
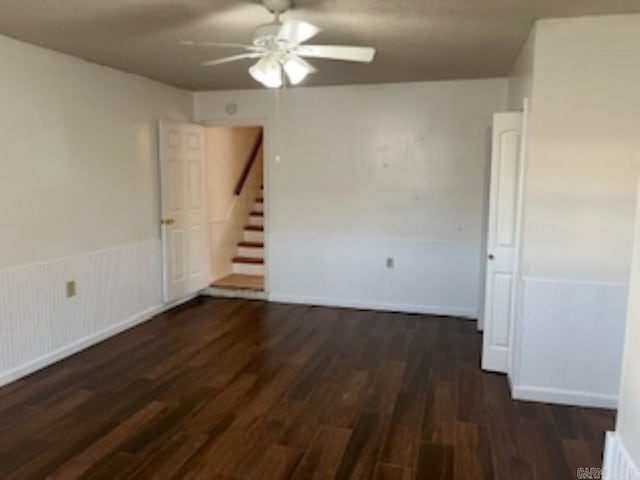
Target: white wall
[
  {"x": 78, "y": 201},
  {"x": 627, "y": 435},
  {"x": 520, "y": 87},
  {"x": 582, "y": 167},
  {"x": 371, "y": 172},
  {"x": 583, "y": 149},
  {"x": 521, "y": 78}
]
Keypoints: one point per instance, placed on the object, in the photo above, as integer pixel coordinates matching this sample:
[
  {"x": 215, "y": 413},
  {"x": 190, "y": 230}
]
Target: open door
[
  {"x": 502, "y": 240},
  {"x": 184, "y": 221}
]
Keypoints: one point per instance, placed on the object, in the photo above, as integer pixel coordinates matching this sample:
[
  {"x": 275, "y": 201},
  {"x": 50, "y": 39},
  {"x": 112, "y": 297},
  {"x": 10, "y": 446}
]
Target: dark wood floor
[{"x": 231, "y": 389}]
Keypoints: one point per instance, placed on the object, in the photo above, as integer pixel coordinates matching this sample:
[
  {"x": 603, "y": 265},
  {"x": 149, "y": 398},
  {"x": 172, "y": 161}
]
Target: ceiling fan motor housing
[
  {"x": 277, "y": 6},
  {"x": 265, "y": 33}
]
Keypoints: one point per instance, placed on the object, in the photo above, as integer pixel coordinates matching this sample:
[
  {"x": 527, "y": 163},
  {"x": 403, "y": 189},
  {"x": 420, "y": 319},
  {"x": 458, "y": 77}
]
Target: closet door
[{"x": 502, "y": 240}]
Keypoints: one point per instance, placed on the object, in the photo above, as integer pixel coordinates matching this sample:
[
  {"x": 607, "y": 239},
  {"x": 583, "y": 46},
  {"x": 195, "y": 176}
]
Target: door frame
[
  {"x": 268, "y": 154},
  {"x": 515, "y": 339},
  {"x": 485, "y": 230}
]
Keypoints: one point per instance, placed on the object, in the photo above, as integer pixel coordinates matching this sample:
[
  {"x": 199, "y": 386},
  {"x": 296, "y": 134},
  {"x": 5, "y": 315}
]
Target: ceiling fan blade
[
  {"x": 297, "y": 69},
  {"x": 218, "y": 44},
  {"x": 337, "y": 52},
  {"x": 302, "y": 62},
  {"x": 296, "y": 31},
  {"x": 234, "y": 58}
]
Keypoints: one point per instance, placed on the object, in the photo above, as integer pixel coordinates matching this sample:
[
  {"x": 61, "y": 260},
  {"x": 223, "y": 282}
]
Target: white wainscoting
[
  {"x": 437, "y": 277},
  {"x": 570, "y": 342},
  {"x": 618, "y": 464},
  {"x": 117, "y": 288}
]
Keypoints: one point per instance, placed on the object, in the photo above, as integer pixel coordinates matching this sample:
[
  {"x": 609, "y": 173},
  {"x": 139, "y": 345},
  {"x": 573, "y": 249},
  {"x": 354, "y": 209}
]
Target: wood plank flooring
[
  {"x": 242, "y": 282},
  {"x": 233, "y": 389}
]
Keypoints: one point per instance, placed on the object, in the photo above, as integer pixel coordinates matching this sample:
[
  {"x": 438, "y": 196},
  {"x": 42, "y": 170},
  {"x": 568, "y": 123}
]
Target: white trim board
[
  {"x": 564, "y": 397},
  {"x": 117, "y": 288},
  {"x": 427, "y": 276},
  {"x": 570, "y": 342},
  {"x": 568, "y": 280},
  {"x": 618, "y": 464},
  {"x": 89, "y": 341},
  {"x": 384, "y": 307}
]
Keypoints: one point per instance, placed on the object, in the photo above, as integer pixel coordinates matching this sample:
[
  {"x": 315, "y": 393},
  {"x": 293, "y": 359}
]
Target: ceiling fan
[{"x": 279, "y": 46}]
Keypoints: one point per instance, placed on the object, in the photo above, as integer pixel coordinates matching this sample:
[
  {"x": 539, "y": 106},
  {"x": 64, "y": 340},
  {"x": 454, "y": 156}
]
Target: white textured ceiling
[{"x": 415, "y": 39}]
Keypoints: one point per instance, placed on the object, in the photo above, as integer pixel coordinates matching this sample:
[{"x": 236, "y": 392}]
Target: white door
[
  {"x": 502, "y": 240},
  {"x": 184, "y": 219}
]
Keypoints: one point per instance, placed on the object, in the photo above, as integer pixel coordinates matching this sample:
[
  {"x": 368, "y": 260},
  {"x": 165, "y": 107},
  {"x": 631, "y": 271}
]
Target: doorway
[
  {"x": 213, "y": 215},
  {"x": 234, "y": 157}
]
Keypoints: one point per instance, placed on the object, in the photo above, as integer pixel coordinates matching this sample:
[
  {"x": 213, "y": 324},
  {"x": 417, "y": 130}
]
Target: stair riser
[
  {"x": 251, "y": 252},
  {"x": 249, "y": 236},
  {"x": 248, "y": 269},
  {"x": 257, "y": 221},
  {"x": 258, "y": 207}
]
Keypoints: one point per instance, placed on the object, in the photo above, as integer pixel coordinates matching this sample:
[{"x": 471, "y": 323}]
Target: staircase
[
  {"x": 249, "y": 259},
  {"x": 243, "y": 238}
]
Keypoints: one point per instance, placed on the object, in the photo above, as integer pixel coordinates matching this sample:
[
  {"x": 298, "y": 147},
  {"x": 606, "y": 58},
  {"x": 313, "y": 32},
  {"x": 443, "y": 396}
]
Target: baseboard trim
[
  {"x": 618, "y": 464},
  {"x": 385, "y": 307},
  {"x": 86, "y": 342},
  {"x": 564, "y": 397}
]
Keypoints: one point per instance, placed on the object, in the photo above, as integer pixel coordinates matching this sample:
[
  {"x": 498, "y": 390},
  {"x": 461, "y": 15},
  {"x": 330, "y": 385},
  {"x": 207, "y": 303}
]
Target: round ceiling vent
[{"x": 231, "y": 108}]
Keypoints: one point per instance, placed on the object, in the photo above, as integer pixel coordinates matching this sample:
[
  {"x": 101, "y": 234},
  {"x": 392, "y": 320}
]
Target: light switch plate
[{"x": 71, "y": 289}]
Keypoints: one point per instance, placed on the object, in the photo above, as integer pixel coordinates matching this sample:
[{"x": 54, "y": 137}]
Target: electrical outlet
[
  {"x": 71, "y": 289},
  {"x": 389, "y": 262}
]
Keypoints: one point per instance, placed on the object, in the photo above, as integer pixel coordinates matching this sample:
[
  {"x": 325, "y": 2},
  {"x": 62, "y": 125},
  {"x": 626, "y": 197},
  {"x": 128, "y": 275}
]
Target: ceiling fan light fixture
[
  {"x": 268, "y": 72},
  {"x": 297, "y": 69}
]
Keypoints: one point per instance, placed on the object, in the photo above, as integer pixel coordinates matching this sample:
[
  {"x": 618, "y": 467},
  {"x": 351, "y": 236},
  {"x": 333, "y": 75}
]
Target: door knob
[
  {"x": 168, "y": 221},
  {"x": 491, "y": 257}
]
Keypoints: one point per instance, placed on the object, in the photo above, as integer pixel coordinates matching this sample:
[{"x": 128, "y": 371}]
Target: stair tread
[
  {"x": 256, "y": 214},
  {"x": 251, "y": 244},
  {"x": 260, "y": 200},
  {"x": 249, "y": 260},
  {"x": 254, "y": 228}
]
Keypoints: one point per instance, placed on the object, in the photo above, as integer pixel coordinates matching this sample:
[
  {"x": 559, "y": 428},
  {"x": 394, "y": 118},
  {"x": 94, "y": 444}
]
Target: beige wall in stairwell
[{"x": 228, "y": 149}]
